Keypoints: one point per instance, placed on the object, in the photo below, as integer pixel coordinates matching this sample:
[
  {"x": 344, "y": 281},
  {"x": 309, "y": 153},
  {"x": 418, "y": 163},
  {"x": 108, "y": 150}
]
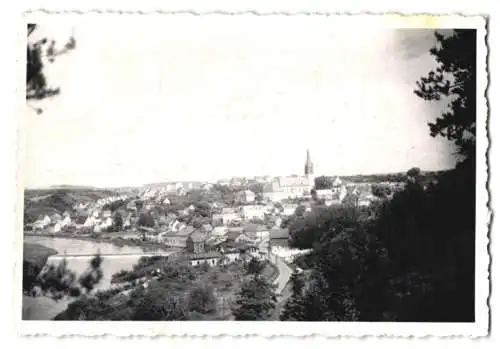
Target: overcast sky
[{"x": 202, "y": 98}]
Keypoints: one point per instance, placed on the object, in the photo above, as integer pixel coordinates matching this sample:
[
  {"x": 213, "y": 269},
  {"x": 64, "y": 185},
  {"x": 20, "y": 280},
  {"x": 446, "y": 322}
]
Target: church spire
[{"x": 308, "y": 168}]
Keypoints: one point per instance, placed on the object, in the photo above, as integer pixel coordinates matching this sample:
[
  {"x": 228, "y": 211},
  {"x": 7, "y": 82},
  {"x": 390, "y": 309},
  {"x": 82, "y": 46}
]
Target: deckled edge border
[{"x": 490, "y": 215}]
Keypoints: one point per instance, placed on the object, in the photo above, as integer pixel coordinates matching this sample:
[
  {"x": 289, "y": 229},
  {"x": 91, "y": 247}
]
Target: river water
[{"x": 78, "y": 254}]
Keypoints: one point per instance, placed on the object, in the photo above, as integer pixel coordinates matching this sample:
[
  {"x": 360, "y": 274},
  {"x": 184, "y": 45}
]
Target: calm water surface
[{"x": 78, "y": 254}]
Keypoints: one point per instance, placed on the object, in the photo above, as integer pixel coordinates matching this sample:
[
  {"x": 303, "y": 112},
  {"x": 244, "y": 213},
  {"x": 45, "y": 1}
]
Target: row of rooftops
[{"x": 201, "y": 235}]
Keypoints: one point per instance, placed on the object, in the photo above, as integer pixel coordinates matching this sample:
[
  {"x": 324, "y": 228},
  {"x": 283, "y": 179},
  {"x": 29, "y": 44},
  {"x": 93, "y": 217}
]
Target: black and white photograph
[{"x": 254, "y": 169}]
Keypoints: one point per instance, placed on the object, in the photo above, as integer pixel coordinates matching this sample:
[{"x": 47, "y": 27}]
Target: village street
[{"x": 285, "y": 272}]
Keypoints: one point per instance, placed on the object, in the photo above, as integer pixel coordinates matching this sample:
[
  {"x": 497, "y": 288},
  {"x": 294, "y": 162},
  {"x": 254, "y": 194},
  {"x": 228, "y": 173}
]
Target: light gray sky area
[{"x": 191, "y": 98}]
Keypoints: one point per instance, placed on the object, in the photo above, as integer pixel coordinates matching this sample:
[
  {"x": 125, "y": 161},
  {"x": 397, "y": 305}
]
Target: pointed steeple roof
[{"x": 308, "y": 168}]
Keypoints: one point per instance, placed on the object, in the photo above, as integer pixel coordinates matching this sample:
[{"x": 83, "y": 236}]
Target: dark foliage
[
  {"x": 295, "y": 307},
  {"x": 255, "y": 301},
  {"x": 57, "y": 281},
  {"x": 201, "y": 299},
  {"x": 381, "y": 191},
  {"x": 113, "y": 206},
  {"x": 117, "y": 222},
  {"x": 454, "y": 79},
  {"x": 414, "y": 262},
  {"x": 146, "y": 220},
  {"x": 323, "y": 182},
  {"x": 254, "y": 266},
  {"x": 37, "y": 86},
  {"x": 155, "y": 305}
]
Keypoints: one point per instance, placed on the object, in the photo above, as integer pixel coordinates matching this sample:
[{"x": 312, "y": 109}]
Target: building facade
[{"x": 292, "y": 186}]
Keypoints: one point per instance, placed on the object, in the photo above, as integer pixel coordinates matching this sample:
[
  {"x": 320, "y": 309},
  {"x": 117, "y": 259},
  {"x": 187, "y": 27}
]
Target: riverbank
[
  {"x": 110, "y": 239},
  {"x": 118, "y": 258},
  {"x": 34, "y": 258},
  {"x": 36, "y": 253}
]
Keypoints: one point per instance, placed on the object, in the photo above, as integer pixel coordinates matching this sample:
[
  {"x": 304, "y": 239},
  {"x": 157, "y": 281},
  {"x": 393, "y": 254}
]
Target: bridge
[{"x": 115, "y": 255}]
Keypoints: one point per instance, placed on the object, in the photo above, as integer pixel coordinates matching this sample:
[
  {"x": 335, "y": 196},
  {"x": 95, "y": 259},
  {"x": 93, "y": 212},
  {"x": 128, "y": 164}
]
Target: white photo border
[{"x": 296, "y": 329}]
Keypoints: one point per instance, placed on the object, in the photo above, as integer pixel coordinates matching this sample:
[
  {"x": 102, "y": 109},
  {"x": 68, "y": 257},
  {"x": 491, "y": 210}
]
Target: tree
[
  {"x": 37, "y": 86},
  {"x": 454, "y": 79},
  {"x": 414, "y": 174},
  {"x": 380, "y": 191},
  {"x": 254, "y": 266},
  {"x": 139, "y": 204},
  {"x": 294, "y": 309},
  {"x": 155, "y": 304},
  {"x": 255, "y": 300},
  {"x": 201, "y": 299},
  {"x": 146, "y": 220},
  {"x": 57, "y": 281},
  {"x": 323, "y": 182},
  {"x": 414, "y": 259},
  {"x": 118, "y": 222}
]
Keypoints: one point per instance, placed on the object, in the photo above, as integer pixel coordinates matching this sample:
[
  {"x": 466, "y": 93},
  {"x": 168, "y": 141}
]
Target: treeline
[
  {"x": 411, "y": 258},
  {"x": 427, "y": 176},
  {"x": 157, "y": 290}
]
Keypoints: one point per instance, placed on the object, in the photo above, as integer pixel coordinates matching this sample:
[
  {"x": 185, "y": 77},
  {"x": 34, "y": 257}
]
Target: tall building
[
  {"x": 309, "y": 169},
  {"x": 291, "y": 186}
]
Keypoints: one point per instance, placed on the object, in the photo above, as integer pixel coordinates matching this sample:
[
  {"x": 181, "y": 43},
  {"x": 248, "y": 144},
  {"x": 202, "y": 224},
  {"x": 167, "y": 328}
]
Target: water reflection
[{"x": 78, "y": 254}]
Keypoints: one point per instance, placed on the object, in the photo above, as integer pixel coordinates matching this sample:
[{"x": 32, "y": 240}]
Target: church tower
[{"x": 308, "y": 169}]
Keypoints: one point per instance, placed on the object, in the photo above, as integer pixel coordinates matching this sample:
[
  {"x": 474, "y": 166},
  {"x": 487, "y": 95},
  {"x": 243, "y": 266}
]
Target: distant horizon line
[{"x": 61, "y": 186}]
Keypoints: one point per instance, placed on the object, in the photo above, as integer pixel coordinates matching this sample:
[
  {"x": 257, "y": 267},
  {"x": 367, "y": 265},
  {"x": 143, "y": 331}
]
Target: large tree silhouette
[
  {"x": 454, "y": 79},
  {"x": 38, "y": 53}
]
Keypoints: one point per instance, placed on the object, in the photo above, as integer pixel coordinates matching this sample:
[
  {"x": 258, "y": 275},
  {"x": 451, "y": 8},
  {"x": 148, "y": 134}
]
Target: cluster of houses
[
  {"x": 54, "y": 223},
  {"x": 219, "y": 244},
  {"x": 249, "y": 227},
  {"x": 91, "y": 215},
  {"x": 234, "y": 224},
  {"x": 201, "y": 248},
  {"x": 172, "y": 188}
]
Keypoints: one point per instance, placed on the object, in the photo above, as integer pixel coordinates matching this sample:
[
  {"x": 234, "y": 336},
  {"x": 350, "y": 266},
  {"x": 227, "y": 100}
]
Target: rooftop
[
  {"x": 203, "y": 255},
  {"x": 198, "y": 236},
  {"x": 252, "y": 228},
  {"x": 279, "y": 233}
]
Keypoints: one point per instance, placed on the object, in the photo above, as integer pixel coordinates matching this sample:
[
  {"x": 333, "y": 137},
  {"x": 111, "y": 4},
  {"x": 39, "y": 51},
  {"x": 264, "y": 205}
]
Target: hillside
[{"x": 50, "y": 201}]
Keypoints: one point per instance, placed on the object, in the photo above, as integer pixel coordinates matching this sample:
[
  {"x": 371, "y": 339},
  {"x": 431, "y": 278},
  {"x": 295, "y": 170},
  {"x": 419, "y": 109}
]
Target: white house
[
  {"x": 91, "y": 221},
  {"x": 56, "y": 228},
  {"x": 231, "y": 257},
  {"x": 337, "y": 182},
  {"x": 289, "y": 209},
  {"x": 219, "y": 231},
  {"x": 245, "y": 196},
  {"x": 127, "y": 221},
  {"x": 225, "y": 218},
  {"x": 253, "y": 211},
  {"x": 106, "y": 223},
  {"x": 324, "y": 194},
  {"x": 65, "y": 222},
  {"x": 342, "y": 193},
  {"x": 42, "y": 223}
]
